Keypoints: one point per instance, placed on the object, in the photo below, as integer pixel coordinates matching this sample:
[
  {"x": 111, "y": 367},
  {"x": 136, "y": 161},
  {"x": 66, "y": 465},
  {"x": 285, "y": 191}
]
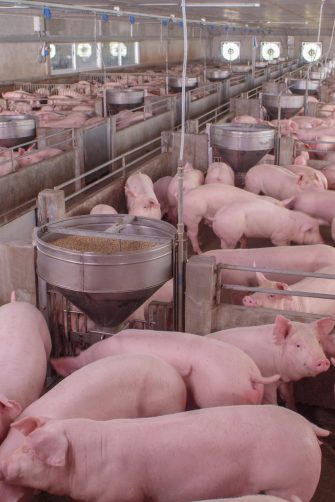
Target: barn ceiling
[{"x": 286, "y": 15}]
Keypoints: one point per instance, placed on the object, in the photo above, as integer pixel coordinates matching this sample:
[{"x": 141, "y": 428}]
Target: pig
[
  {"x": 35, "y": 156},
  {"x": 74, "y": 119},
  {"x": 141, "y": 198},
  {"x": 211, "y": 384},
  {"x": 204, "y": 202},
  {"x": 199, "y": 454},
  {"x": 127, "y": 386},
  {"x": 291, "y": 349},
  {"x": 289, "y": 258},
  {"x": 193, "y": 178},
  {"x": 103, "y": 209},
  {"x": 261, "y": 219},
  {"x": 254, "y": 498},
  {"x": 246, "y": 119},
  {"x": 25, "y": 346},
  {"x": 220, "y": 172},
  {"x": 318, "y": 204},
  {"x": 311, "y": 173},
  {"x": 320, "y": 306},
  {"x": 302, "y": 159},
  {"x": 329, "y": 172},
  {"x": 278, "y": 182},
  {"x": 161, "y": 191}
]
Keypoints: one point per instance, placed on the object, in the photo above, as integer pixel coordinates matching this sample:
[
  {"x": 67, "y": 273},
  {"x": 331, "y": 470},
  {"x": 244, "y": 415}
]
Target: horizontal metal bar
[
  {"x": 280, "y": 292},
  {"x": 244, "y": 268}
]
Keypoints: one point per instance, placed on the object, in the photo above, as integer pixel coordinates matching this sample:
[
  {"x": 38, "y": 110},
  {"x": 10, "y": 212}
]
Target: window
[
  {"x": 311, "y": 51},
  {"x": 230, "y": 50},
  {"x": 61, "y": 57},
  {"x": 270, "y": 50}
]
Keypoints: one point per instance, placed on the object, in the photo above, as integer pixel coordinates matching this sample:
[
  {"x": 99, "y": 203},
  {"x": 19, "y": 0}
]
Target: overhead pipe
[{"x": 320, "y": 19}]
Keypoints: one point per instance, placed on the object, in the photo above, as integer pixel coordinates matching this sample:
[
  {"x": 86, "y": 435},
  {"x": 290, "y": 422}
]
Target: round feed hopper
[
  {"x": 124, "y": 99},
  {"x": 106, "y": 265},
  {"x": 298, "y": 86},
  {"x": 175, "y": 83},
  {"x": 289, "y": 104},
  {"x": 215, "y": 75},
  {"x": 242, "y": 145},
  {"x": 16, "y": 129}
]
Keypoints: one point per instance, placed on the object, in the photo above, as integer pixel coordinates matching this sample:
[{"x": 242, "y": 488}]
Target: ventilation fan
[
  {"x": 52, "y": 51},
  {"x": 116, "y": 47},
  {"x": 270, "y": 50},
  {"x": 311, "y": 51},
  {"x": 84, "y": 50},
  {"x": 231, "y": 50}
]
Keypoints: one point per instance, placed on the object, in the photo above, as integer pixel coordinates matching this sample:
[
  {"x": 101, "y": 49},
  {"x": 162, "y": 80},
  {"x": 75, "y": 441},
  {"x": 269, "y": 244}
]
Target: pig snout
[
  {"x": 322, "y": 365},
  {"x": 249, "y": 301}
]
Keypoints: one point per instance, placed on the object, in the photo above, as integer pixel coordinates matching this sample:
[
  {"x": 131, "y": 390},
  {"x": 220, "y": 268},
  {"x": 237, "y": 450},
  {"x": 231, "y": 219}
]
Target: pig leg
[
  {"x": 270, "y": 394},
  {"x": 286, "y": 392},
  {"x": 192, "y": 233}
]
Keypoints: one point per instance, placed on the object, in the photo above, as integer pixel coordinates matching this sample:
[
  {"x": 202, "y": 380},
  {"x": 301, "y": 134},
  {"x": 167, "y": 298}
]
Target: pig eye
[{"x": 298, "y": 346}]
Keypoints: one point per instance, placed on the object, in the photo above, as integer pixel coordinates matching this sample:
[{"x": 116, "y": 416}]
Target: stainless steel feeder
[
  {"x": 121, "y": 99},
  {"x": 16, "y": 129},
  {"x": 107, "y": 287},
  {"x": 242, "y": 145},
  {"x": 298, "y": 86},
  {"x": 216, "y": 75},
  {"x": 175, "y": 83},
  {"x": 290, "y": 104}
]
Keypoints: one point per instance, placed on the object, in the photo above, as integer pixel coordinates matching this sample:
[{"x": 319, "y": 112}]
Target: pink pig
[
  {"x": 278, "y": 182},
  {"x": 311, "y": 305},
  {"x": 25, "y": 346},
  {"x": 220, "y": 172},
  {"x": 211, "y": 384},
  {"x": 127, "y": 386},
  {"x": 254, "y": 498},
  {"x": 141, "y": 198},
  {"x": 311, "y": 173},
  {"x": 212, "y": 453},
  {"x": 161, "y": 191},
  {"x": 103, "y": 209},
  {"x": 291, "y": 349},
  {"x": 261, "y": 219},
  {"x": 193, "y": 178}
]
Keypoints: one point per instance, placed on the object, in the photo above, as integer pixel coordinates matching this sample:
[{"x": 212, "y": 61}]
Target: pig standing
[
  {"x": 161, "y": 191},
  {"x": 25, "y": 346},
  {"x": 103, "y": 209},
  {"x": 193, "y": 178},
  {"x": 220, "y": 172},
  {"x": 291, "y": 349},
  {"x": 128, "y": 386},
  {"x": 329, "y": 172},
  {"x": 205, "y": 201},
  {"x": 141, "y": 198},
  {"x": 163, "y": 294},
  {"x": 212, "y": 453},
  {"x": 211, "y": 384},
  {"x": 319, "y": 306},
  {"x": 318, "y": 204},
  {"x": 313, "y": 174},
  {"x": 261, "y": 219},
  {"x": 278, "y": 182}
]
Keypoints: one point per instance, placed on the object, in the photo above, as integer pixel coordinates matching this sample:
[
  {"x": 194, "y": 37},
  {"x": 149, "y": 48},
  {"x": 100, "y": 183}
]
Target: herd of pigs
[{"x": 115, "y": 429}]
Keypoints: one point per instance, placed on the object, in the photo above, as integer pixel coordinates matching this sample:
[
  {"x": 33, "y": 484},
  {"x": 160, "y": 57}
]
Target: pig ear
[
  {"x": 281, "y": 329},
  {"x": 28, "y": 424},
  {"x": 50, "y": 447},
  {"x": 300, "y": 179},
  {"x": 129, "y": 192},
  {"x": 282, "y": 286},
  {"x": 9, "y": 406},
  {"x": 154, "y": 203},
  {"x": 324, "y": 326}
]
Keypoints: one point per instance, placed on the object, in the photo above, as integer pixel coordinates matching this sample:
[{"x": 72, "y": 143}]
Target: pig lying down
[
  {"x": 210, "y": 385},
  {"x": 291, "y": 349},
  {"x": 202, "y": 454}
]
